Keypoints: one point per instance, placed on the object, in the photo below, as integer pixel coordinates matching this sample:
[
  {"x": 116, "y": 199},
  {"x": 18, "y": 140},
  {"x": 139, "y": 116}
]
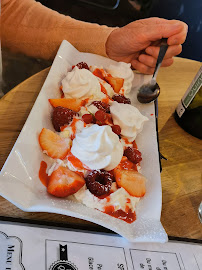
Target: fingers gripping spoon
[{"x": 149, "y": 92}]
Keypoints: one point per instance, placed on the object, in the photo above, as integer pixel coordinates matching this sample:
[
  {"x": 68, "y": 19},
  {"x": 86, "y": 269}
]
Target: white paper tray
[{"x": 19, "y": 182}]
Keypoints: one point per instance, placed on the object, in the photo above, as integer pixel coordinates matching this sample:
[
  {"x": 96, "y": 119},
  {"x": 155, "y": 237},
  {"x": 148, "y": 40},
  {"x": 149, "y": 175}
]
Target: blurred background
[{"x": 17, "y": 68}]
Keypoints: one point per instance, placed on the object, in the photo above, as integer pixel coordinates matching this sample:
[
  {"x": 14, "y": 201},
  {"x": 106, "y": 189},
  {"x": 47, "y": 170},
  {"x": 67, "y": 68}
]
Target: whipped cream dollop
[
  {"x": 128, "y": 118},
  {"x": 120, "y": 199},
  {"x": 98, "y": 147},
  {"x": 81, "y": 83},
  {"x": 124, "y": 71}
]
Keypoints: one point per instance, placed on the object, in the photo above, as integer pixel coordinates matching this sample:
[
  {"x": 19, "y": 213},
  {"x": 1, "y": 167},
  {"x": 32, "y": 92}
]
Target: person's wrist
[{"x": 111, "y": 43}]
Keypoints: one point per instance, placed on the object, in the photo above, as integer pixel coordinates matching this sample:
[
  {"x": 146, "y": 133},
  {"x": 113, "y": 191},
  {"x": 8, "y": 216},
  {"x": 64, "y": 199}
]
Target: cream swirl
[
  {"x": 124, "y": 71},
  {"x": 81, "y": 83},
  {"x": 128, "y": 118},
  {"x": 98, "y": 147}
]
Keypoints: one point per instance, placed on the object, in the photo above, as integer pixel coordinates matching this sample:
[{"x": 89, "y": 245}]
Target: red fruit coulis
[
  {"x": 105, "y": 196},
  {"x": 134, "y": 145},
  {"x": 73, "y": 126},
  {"x": 106, "y": 100},
  {"x": 126, "y": 164},
  {"x": 103, "y": 90},
  {"x": 84, "y": 102},
  {"x": 75, "y": 162},
  {"x": 63, "y": 128},
  {"x": 61, "y": 92},
  {"x": 129, "y": 217},
  {"x": 99, "y": 73}
]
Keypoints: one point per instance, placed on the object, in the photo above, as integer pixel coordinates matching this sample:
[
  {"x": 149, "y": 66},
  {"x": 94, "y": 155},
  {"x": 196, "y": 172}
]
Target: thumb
[{"x": 159, "y": 31}]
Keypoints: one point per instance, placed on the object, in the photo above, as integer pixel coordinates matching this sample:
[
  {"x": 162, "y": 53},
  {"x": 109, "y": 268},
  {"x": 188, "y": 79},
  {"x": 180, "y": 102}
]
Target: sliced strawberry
[
  {"x": 133, "y": 182},
  {"x": 70, "y": 103},
  {"x": 116, "y": 83},
  {"x": 53, "y": 144},
  {"x": 64, "y": 182}
]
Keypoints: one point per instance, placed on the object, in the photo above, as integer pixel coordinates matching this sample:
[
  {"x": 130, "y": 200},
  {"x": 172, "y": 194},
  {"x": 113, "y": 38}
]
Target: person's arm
[
  {"x": 31, "y": 28},
  {"x": 37, "y": 31}
]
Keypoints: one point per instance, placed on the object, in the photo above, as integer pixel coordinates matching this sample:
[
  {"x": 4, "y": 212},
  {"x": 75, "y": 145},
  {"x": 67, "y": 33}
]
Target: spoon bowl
[
  {"x": 149, "y": 92},
  {"x": 200, "y": 212}
]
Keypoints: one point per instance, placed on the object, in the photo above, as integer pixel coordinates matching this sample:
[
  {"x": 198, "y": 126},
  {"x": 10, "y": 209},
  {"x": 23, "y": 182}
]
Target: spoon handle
[{"x": 162, "y": 52}]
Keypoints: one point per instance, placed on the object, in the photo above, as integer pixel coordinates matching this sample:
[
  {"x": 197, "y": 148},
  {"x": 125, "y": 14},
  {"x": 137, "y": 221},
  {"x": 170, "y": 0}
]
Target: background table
[{"x": 181, "y": 175}]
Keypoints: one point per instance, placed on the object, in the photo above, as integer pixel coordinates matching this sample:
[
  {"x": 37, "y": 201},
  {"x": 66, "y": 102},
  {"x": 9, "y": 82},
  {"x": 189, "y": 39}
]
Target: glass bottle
[{"x": 188, "y": 113}]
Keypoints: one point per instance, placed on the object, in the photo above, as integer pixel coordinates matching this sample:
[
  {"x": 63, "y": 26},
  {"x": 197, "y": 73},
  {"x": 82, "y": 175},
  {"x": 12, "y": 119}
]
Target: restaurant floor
[{"x": 17, "y": 68}]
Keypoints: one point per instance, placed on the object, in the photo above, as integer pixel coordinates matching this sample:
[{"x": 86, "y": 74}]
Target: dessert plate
[{"x": 19, "y": 182}]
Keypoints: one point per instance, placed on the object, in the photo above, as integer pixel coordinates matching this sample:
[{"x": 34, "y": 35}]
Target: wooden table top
[{"x": 181, "y": 175}]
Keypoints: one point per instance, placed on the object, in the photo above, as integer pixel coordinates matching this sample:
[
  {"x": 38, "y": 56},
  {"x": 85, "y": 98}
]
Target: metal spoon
[
  {"x": 200, "y": 212},
  {"x": 149, "y": 92}
]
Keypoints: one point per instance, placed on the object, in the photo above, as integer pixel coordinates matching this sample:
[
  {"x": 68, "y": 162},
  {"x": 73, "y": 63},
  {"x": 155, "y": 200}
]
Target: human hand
[{"x": 138, "y": 43}]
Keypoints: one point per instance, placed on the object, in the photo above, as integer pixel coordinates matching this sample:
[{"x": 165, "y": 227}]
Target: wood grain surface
[{"x": 181, "y": 175}]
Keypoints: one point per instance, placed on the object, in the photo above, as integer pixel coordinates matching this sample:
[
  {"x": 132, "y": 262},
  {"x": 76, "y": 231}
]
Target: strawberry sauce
[
  {"x": 105, "y": 196},
  {"x": 61, "y": 92},
  {"x": 63, "y": 128},
  {"x": 134, "y": 144},
  {"x": 75, "y": 162},
  {"x": 106, "y": 100},
  {"x": 84, "y": 102},
  {"x": 43, "y": 176},
  {"x": 126, "y": 141},
  {"x": 103, "y": 90},
  {"x": 129, "y": 217},
  {"x": 73, "y": 126},
  {"x": 126, "y": 164},
  {"x": 99, "y": 73}
]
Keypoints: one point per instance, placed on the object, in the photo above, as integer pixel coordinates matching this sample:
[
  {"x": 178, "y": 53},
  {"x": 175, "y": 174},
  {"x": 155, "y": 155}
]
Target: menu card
[{"x": 25, "y": 247}]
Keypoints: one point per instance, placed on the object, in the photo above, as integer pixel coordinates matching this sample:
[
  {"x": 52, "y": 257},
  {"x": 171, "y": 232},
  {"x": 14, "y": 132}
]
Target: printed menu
[{"x": 29, "y": 247}]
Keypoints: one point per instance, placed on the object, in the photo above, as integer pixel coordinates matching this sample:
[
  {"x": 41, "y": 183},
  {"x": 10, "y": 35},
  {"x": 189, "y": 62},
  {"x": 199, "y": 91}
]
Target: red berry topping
[
  {"x": 87, "y": 118},
  {"x": 101, "y": 106},
  {"x": 99, "y": 182},
  {"x": 82, "y": 65},
  {"x": 100, "y": 116},
  {"x": 133, "y": 154},
  {"x": 62, "y": 116},
  {"x": 121, "y": 99},
  {"x": 116, "y": 129}
]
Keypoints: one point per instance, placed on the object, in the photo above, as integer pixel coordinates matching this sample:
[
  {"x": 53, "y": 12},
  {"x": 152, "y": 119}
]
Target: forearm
[{"x": 32, "y": 29}]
